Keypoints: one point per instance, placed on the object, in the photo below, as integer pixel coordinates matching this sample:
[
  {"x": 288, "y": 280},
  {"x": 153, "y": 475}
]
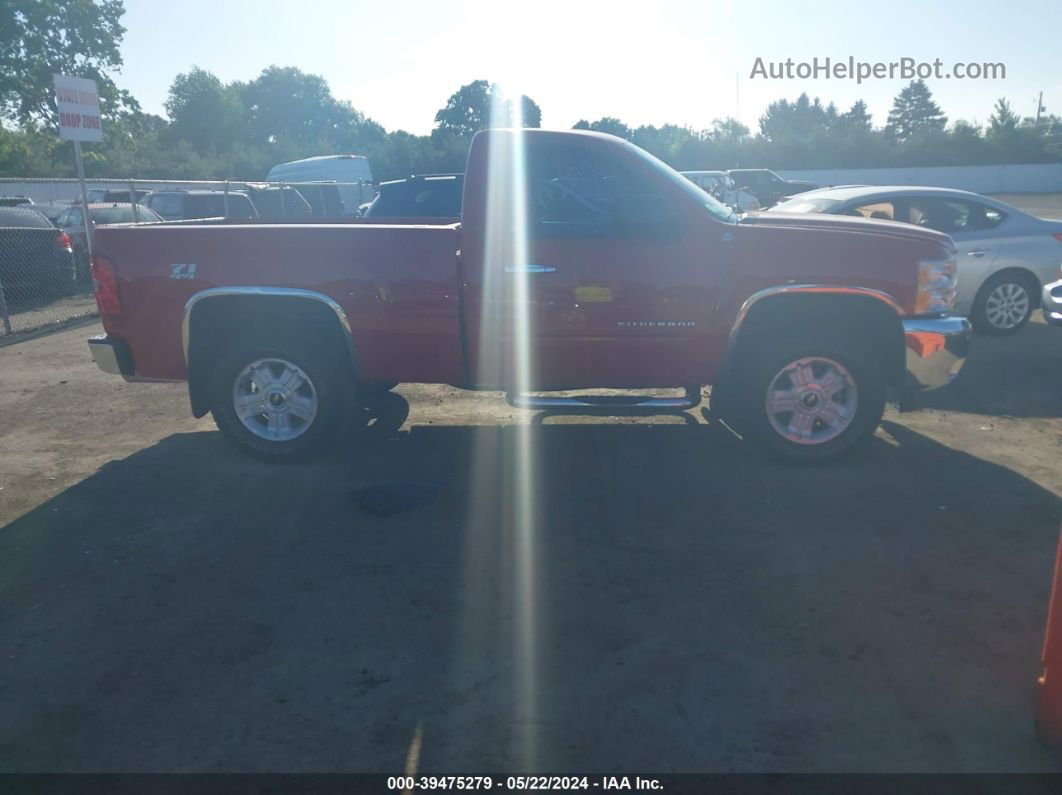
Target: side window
[
  {"x": 576, "y": 191},
  {"x": 168, "y": 205},
  {"x": 884, "y": 211},
  {"x": 982, "y": 216},
  {"x": 953, "y": 216}
]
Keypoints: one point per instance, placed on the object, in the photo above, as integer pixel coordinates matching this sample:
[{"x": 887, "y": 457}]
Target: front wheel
[
  {"x": 1003, "y": 305},
  {"x": 811, "y": 401},
  {"x": 279, "y": 402}
]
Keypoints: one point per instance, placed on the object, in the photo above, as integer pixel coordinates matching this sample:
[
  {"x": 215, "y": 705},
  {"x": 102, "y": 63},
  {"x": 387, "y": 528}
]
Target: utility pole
[{"x": 1040, "y": 106}]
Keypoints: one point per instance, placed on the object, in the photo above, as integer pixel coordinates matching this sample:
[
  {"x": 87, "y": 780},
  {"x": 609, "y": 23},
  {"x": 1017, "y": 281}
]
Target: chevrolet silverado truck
[{"x": 579, "y": 262}]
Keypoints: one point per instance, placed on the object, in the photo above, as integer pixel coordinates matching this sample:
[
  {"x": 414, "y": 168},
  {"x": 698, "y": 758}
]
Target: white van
[{"x": 350, "y": 169}]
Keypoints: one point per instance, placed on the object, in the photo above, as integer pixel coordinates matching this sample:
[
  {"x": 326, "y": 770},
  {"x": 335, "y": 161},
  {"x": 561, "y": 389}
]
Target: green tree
[
  {"x": 856, "y": 119},
  {"x": 784, "y": 120},
  {"x": 914, "y": 113},
  {"x": 478, "y": 105},
  {"x": 290, "y": 110},
  {"x": 203, "y": 111},
  {"x": 530, "y": 112},
  {"x": 606, "y": 124},
  {"x": 467, "y": 111},
  {"x": 42, "y": 37},
  {"x": 1003, "y": 120}
]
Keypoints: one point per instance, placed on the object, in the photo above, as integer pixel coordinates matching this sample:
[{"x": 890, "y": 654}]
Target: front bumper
[
  {"x": 111, "y": 356},
  {"x": 1052, "y": 303},
  {"x": 936, "y": 350}
]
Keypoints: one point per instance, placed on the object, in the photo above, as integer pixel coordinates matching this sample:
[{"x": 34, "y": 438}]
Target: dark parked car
[
  {"x": 36, "y": 259},
  {"x": 15, "y": 201},
  {"x": 181, "y": 205},
  {"x": 767, "y": 186},
  {"x": 72, "y": 223},
  {"x": 419, "y": 196}
]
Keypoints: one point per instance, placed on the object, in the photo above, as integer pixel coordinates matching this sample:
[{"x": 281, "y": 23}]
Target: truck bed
[{"x": 397, "y": 284}]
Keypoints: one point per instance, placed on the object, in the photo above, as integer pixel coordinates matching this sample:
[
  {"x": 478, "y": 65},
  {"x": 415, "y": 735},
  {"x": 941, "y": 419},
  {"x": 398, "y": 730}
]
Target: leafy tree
[
  {"x": 204, "y": 112},
  {"x": 42, "y": 37},
  {"x": 914, "y": 113},
  {"x": 967, "y": 145},
  {"x": 478, "y": 105},
  {"x": 1003, "y": 120},
  {"x": 467, "y": 111},
  {"x": 606, "y": 124},
  {"x": 289, "y": 109},
  {"x": 530, "y": 112},
  {"x": 856, "y": 119},
  {"x": 784, "y": 120}
]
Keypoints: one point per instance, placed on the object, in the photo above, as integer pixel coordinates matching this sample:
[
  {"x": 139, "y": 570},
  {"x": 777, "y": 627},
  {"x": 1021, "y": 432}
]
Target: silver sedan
[{"x": 1005, "y": 254}]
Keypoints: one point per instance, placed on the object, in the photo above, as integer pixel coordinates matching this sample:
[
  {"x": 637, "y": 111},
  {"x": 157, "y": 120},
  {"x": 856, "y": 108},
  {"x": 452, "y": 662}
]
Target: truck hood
[{"x": 844, "y": 223}]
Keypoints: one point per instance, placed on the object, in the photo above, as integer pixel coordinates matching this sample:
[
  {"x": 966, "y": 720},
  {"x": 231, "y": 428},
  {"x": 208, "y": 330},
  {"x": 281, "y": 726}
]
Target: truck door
[{"x": 589, "y": 268}]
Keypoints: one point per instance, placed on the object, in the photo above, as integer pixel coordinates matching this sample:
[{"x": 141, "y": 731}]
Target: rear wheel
[
  {"x": 279, "y": 401},
  {"x": 812, "y": 400},
  {"x": 1003, "y": 305}
]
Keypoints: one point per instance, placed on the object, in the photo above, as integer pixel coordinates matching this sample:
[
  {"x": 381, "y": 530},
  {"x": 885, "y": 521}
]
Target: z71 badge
[{"x": 182, "y": 270}]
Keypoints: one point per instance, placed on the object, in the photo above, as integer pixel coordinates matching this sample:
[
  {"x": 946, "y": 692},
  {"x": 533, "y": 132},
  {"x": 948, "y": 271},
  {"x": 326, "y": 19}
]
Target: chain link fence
[{"x": 45, "y": 279}]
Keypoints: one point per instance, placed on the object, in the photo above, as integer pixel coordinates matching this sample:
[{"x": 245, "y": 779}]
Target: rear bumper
[
  {"x": 1052, "y": 303},
  {"x": 936, "y": 350},
  {"x": 112, "y": 356}
]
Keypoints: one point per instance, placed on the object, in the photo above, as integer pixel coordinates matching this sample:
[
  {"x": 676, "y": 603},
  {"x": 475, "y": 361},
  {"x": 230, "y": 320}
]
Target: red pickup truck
[{"x": 579, "y": 261}]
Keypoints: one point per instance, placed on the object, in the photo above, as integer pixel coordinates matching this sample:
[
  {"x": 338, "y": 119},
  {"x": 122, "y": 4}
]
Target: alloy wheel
[
  {"x": 812, "y": 400},
  {"x": 274, "y": 399}
]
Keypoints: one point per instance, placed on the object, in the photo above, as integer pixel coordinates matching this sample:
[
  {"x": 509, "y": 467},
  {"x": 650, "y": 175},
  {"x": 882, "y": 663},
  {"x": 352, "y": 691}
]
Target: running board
[{"x": 692, "y": 399}]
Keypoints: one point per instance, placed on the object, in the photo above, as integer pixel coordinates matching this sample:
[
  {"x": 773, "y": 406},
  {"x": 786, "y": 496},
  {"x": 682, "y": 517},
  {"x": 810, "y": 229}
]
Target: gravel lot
[{"x": 167, "y": 605}]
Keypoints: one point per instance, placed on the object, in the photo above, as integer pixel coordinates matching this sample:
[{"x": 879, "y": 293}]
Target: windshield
[
  {"x": 806, "y": 204},
  {"x": 707, "y": 201}
]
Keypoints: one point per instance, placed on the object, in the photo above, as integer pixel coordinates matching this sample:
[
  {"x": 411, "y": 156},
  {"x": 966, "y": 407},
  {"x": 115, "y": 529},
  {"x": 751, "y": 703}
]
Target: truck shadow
[
  {"x": 665, "y": 602},
  {"x": 1018, "y": 376}
]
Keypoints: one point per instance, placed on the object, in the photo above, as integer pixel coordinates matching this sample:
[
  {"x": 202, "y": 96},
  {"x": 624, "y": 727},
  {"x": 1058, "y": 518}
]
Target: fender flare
[
  {"x": 795, "y": 289},
  {"x": 199, "y": 408}
]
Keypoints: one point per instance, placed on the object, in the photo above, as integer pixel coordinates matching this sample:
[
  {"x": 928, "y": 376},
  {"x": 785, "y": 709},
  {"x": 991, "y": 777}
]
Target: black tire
[
  {"x": 329, "y": 382},
  {"x": 767, "y": 360},
  {"x": 1009, "y": 280}
]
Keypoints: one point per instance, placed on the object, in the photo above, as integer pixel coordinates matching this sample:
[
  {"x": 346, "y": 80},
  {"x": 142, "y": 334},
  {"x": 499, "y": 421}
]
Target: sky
[{"x": 678, "y": 62}]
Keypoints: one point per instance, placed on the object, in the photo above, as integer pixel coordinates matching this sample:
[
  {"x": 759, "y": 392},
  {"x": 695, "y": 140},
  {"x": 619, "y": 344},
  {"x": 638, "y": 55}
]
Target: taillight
[
  {"x": 106, "y": 286},
  {"x": 62, "y": 240}
]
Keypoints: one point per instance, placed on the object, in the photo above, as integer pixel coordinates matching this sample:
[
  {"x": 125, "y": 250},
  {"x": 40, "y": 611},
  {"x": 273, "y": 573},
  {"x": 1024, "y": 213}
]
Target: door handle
[
  {"x": 529, "y": 268},
  {"x": 977, "y": 252}
]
